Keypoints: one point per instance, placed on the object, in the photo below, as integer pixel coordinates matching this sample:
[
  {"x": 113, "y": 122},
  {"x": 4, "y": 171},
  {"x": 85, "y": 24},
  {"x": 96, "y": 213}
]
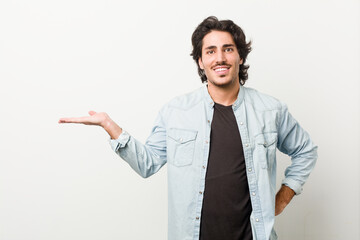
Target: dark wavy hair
[{"x": 212, "y": 23}]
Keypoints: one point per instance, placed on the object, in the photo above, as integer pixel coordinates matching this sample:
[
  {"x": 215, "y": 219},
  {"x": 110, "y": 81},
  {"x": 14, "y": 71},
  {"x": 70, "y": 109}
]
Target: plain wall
[{"x": 128, "y": 58}]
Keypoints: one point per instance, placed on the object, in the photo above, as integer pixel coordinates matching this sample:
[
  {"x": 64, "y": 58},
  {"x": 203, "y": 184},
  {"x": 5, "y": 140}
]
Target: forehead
[{"x": 217, "y": 39}]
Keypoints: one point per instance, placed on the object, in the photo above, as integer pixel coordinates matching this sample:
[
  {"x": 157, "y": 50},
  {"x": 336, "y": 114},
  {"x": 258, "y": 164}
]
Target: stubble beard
[{"x": 223, "y": 85}]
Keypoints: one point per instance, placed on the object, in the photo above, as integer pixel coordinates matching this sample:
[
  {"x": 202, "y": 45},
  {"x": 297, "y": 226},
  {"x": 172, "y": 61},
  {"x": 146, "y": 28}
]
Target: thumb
[{"x": 92, "y": 113}]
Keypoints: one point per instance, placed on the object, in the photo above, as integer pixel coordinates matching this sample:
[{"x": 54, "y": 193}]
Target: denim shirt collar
[{"x": 235, "y": 105}]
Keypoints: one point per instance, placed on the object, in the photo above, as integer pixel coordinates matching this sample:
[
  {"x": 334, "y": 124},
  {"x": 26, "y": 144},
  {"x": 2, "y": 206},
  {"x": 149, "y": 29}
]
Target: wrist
[
  {"x": 106, "y": 122},
  {"x": 111, "y": 127},
  {"x": 285, "y": 194}
]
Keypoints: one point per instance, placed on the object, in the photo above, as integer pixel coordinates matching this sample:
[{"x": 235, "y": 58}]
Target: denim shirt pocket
[
  {"x": 265, "y": 148},
  {"x": 181, "y": 146}
]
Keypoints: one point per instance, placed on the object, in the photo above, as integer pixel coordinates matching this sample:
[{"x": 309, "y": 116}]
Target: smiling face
[{"x": 220, "y": 59}]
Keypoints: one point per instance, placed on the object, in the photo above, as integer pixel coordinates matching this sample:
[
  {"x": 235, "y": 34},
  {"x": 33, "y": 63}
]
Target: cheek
[
  {"x": 202, "y": 63},
  {"x": 206, "y": 63},
  {"x": 236, "y": 59},
  {"x": 237, "y": 63}
]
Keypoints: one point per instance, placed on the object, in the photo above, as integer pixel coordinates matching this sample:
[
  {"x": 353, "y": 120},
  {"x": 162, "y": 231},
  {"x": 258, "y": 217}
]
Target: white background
[{"x": 63, "y": 58}]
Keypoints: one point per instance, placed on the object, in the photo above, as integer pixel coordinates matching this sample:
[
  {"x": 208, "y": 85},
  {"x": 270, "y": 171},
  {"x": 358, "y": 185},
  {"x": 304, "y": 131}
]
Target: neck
[{"x": 224, "y": 95}]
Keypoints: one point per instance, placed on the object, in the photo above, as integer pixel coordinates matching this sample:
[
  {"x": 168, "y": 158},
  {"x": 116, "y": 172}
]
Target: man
[{"x": 219, "y": 142}]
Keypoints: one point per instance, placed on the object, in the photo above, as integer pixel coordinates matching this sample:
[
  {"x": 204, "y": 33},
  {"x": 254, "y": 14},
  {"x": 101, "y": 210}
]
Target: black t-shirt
[{"x": 226, "y": 205}]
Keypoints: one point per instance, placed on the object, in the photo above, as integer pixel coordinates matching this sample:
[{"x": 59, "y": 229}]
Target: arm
[
  {"x": 294, "y": 141},
  {"x": 146, "y": 159}
]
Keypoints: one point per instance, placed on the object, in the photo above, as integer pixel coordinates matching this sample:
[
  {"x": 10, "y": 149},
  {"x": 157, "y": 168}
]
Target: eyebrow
[
  {"x": 228, "y": 45},
  {"x": 224, "y": 46}
]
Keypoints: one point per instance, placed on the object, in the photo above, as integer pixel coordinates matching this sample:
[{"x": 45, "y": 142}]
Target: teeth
[{"x": 220, "y": 69}]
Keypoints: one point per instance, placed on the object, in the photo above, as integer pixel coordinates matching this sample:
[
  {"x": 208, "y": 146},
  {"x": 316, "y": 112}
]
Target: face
[{"x": 220, "y": 59}]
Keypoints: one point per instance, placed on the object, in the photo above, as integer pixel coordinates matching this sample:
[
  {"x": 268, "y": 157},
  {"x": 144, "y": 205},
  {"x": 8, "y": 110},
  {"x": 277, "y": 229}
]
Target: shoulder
[
  {"x": 187, "y": 100},
  {"x": 183, "y": 105},
  {"x": 261, "y": 101}
]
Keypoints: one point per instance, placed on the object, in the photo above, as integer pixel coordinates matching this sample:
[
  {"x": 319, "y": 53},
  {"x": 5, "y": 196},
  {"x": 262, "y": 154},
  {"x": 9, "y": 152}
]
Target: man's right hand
[
  {"x": 94, "y": 119},
  {"x": 100, "y": 119}
]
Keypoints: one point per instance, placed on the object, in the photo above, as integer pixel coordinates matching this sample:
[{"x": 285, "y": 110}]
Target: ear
[
  {"x": 241, "y": 61},
  {"x": 201, "y": 64}
]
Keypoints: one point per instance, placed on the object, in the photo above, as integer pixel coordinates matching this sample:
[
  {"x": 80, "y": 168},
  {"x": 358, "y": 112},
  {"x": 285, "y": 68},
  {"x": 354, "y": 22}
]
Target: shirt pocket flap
[
  {"x": 182, "y": 136},
  {"x": 266, "y": 139},
  {"x": 265, "y": 149}
]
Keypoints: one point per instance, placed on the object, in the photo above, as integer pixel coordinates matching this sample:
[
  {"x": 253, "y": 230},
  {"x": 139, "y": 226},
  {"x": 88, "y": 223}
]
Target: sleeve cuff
[
  {"x": 294, "y": 185},
  {"x": 120, "y": 142}
]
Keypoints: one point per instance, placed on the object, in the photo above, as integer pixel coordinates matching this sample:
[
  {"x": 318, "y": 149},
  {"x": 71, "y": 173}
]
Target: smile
[{"x": 222, "y": 69}]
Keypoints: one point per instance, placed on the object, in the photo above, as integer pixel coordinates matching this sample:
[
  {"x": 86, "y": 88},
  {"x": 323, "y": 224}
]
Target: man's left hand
[{"x": 283, "y": 197}]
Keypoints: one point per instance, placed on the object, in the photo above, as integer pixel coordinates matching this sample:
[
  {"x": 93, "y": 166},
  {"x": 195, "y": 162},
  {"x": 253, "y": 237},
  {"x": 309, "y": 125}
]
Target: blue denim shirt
[{"x": 181, "y": 138}]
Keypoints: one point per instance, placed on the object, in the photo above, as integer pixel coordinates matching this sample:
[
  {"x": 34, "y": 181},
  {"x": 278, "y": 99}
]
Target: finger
[
  {"x": 92, "y": 113},
  {"x": 82, "y": 120}
]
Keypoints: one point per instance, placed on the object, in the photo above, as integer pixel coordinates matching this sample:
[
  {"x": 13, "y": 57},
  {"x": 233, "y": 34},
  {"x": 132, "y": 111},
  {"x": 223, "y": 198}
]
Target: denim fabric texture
[{"x": 181, "y": 138}]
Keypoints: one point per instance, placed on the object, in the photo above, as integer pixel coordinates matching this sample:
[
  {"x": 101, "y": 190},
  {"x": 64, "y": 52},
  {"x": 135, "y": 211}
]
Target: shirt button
[
  {"x": 180, "y": 140},
  {"x": 246, "y": 145},
  {"x": 253, "y": 194},
  {"x": 203, "y": 167},
  {"x": 197, "y": 218},
  {"x": 206, "y": 141},
  {"x": 250, "y": 170},
  {"x": 241, "y": 123},
  {"x": 200, "y": 192},
  {"x": 208, "y": 121},
  {"x": 257, "y": 219}
]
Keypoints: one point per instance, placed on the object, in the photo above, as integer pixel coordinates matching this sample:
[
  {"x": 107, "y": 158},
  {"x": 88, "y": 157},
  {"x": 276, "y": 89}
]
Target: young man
[{"x": 219, "y": 142}]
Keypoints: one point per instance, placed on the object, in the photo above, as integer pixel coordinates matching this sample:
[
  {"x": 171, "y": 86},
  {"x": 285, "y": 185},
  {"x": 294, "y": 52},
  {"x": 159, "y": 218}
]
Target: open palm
[{"x": 94, "y": 119}]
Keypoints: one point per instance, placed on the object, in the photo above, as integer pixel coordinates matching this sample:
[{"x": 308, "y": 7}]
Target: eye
[
  {"x": 210, "y": 52},
  {"x": 229, "y": 49}
]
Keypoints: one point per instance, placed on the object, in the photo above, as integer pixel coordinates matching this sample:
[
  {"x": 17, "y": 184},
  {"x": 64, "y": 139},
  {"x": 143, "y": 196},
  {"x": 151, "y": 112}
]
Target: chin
[{"x": 222, "y": 82}]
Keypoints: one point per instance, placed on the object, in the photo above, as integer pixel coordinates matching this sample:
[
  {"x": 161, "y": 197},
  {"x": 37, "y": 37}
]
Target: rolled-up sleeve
[
  {"x": 120, "y": 142},
  {"x": 294, "y": 141},
  {"x": 146, "y": 159}
]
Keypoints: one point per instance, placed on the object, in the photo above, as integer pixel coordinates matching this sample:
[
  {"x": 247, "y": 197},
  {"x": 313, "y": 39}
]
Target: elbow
[
  {"x": 145, "y": 174},
  {"x": 314, "y": 154}
]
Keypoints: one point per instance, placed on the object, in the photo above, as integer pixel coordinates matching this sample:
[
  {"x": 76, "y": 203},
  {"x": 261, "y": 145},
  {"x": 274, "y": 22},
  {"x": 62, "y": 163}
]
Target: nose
[{"x": 220, "y": 56}]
